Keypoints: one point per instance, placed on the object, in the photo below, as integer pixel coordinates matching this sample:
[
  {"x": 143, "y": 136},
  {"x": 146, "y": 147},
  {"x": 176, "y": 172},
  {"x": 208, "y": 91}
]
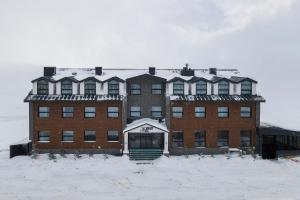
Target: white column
[
  {"x": 125, "y": 151},
  {"x": 166, "y": 145}
]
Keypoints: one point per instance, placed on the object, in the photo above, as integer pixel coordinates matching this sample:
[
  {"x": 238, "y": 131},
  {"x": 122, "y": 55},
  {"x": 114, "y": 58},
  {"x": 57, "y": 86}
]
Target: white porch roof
[{"x": 145, "y": 121}]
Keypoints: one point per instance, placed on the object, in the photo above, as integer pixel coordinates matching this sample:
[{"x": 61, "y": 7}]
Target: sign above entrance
[{"x": 146, "y": 129}]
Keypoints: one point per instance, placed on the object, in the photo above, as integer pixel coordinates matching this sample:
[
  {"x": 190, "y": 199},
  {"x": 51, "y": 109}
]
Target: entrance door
[{"x": 145, "y": 141}]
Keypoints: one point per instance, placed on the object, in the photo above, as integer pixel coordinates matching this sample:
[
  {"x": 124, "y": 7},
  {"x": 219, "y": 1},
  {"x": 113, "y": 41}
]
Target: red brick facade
[
  {"x": 55, "y": 124},
  {"x": 212, "y": 123}
]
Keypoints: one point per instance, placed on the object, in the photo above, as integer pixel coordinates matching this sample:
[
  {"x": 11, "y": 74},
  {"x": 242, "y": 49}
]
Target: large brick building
[{"x": 175, "y": 111}]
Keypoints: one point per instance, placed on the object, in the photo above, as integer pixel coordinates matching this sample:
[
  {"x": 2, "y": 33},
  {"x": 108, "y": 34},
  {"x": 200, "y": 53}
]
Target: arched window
[
  {"x": 42, "y": 87},
  {"x": 246, "y": 87},
  {"x": 66, "y": 87},
  {"x": 201, "y": 88},
  {"x": 223, "y": 88},
  {"x": 90, "y": 87}
]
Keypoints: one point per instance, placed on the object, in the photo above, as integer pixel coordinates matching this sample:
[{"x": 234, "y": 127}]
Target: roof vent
[
  {"x": 49, "y": 71},
  {"x": 152, "y": 70},
  {"x": 186, "y": 71},
  {"x": 74, "y": 73},
  {"x": 98, "y": 71},
  {"x": 213, "y": 71}
]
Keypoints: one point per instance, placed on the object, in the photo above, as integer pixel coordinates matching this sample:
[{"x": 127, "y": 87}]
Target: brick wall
[
  {"x": 56, "y": 124},
  {"x": 212, "y": 124}
]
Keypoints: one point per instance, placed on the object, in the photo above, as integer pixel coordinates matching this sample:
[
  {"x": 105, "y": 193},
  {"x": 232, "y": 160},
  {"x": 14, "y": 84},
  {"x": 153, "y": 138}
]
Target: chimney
[
  {"x": 186, "y": 71},
  {"x": 213, "y": 71},
  {"x": 98, "y": 71},
  {"x": 49, "y": 71},
  {"x": 152, "y": 70}
]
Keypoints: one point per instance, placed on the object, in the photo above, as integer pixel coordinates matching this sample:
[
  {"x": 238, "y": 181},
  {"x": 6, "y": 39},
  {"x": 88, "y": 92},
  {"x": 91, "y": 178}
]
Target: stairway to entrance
[{"x": 144, "y": 154}]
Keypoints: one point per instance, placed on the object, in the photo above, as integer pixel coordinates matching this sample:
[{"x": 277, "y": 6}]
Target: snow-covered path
[{"x": 193, "y": 177}]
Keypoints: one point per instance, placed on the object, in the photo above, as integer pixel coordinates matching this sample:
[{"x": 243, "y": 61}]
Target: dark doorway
[
  {"x": 145, "y": 141},
  {"x": 269, "y": 149}
]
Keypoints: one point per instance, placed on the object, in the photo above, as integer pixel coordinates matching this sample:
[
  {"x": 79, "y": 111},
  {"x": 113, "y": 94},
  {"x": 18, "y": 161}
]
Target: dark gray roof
[
  {"x": 217, "y": 98},
  {"x": 276, "y": 130},
  {"x": 32, "y": 97},
  {"x": 238, "y": 79}
]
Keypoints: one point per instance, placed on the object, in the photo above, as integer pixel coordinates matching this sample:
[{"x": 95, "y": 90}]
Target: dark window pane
[
  {"x": 177, "y": 112},
  {"x": 178, "y": 88},
  {"x": 112, "y": 135},
  {"x": 66, "y": 87},
  {"x": 90, "y": 112},
  {"x": 245, "y": 137},
  {"x": 113, "y": 87},
  {"x": 42, "y": 87},
  {"x": 246, "y": 87},
  {"x": 223, "y": 112},
  {"x": 44, "y": 112},
  {"x": 177, "y": 139},
  {"x": 90, "y": 136},
  {"x": 223, "y": 88},
  {"x": 201, "y": 88},
  {"x": 200, "y": 137},
  {"x": 156, "y": 111},
  {"x": 113, "y": 112},
  {"x": 135, "y": 111},
  {"x": 44, "y": 136},
  {"x": 200, "y": 112},
  {"x": 68, "y": 112},
  {"x": 135, "y": 89},
  {"x": 245, "y": 112},
  {"x": 68, "y": 136},
  {"x": 223, "y": 138},
  {"x": 156, "y": 89},
  {"x": 90, "y": 87}
]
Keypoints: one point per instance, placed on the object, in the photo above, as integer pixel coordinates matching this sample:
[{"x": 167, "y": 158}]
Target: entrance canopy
[{"x": 145, "y": 125}]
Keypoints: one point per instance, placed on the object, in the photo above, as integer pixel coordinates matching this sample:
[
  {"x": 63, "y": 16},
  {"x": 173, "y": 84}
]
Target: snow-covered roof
[
  {"x": 146, "y": 121},
  {"x": 217, "y": 98},
  {"x": 80, "y": 74},
  {"x": 272, "y": 125},
  {"x": 52, "y": 97}
]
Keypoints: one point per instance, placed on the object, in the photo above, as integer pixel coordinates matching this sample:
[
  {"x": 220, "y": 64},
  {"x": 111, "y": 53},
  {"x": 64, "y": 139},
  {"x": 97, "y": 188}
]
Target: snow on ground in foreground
[{"x": 101, "y": 177}]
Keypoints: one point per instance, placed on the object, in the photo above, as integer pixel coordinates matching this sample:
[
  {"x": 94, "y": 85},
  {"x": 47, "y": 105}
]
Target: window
[
  {"x": 90, "y": 136},
  {"x": 200, "y": 137},
  {"x": 135, "y": 89},
  {"x": 44, "y": 112},
  {"x": 223, "y": 112},
  {"x": 223, "y": 88},
  {"x": 90, "y": 87},
  {"x": 156, "y": 111},
  {"x": 177, "y": 112},
  {"x": 245, "y": 137},
  {"x": 90, "y": 112},
  {"x": 44, "y": 136},
  {"x": 66, "y": 87},
  {"x": 177, "y": 139},
  {"x": 42, "y": 87},
  {"x": 68, "y": 136},
  {"x": 201, "y": 88},
  {"x": 68, "y": 112},
  {"x": 200, "y": 112},
  {"x": 156, "y": 89},
  {"x": 135, "y": 111},
  {"x": 112, "y": 136},
  {"x": 245, "y": 112},
  {"x": 113, "y": 87},
  {"x": 113, "y": 112},
  {"x": 178, "y": 88},
  {"x": 223, "y": 140},
  {"x": 246, "y": 87}
]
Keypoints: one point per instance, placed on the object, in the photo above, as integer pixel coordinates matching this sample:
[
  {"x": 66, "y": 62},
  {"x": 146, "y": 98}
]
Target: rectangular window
[
  {"x": 223, "y": 88},
  {"x": 178, "y": 88},
  {"x": 223, "y": 112},
  {"x": 113, "y": 112},
  {"x": 135, "y": 111},
  {"x": 113, "y": 87},
  {"x": 44, "y": 136},
  {"x": 135, "y": 89},
  {"x": 44, "y": 112},
  {"x": 90, "y": 87},
  {"x": 200, "y": 137},
  {"x": 201, "y": 88},
  {"x": 66, "y": 87},
  {"x": 68, "y": 112},
  {"x": 68, "y": 136},
  {"x": 112, "y": 136},
  {"x": 245, "y": 137},
  {"x": 90, "y": 136},
  {"x": 200, "y": 112},
  {"x": 177, "y": 112},
  {"x": 156, "y": 111},
  {"x": 177, "y": 139},
  {"x": 245, "y": 112},
  {"x": 246, "y": 88},
  {"x": 90, "y": 112},
  {"x": 42, "y": 87},
  {"x": 156, "y": 89},
  {"x": 223, "y": 138}
]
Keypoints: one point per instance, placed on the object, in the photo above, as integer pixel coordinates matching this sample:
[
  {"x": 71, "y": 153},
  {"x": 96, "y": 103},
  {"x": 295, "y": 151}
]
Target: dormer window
[
  {"x": 178, "y": 87},
  {"x": 66, "y": 87},
  {"x": 201, "y": 88},
  {"x": 246, "y": 87},
  {"x": 90, "y": 87},
  {"x": 42, "y": 87},
  {"x": 113, "y": 87},
  {"x": 223, "y": 88}
]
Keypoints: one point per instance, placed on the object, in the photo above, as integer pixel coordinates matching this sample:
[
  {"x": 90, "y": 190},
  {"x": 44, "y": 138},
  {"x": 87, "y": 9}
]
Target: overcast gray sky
[{"x": 259, "y": 37}]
